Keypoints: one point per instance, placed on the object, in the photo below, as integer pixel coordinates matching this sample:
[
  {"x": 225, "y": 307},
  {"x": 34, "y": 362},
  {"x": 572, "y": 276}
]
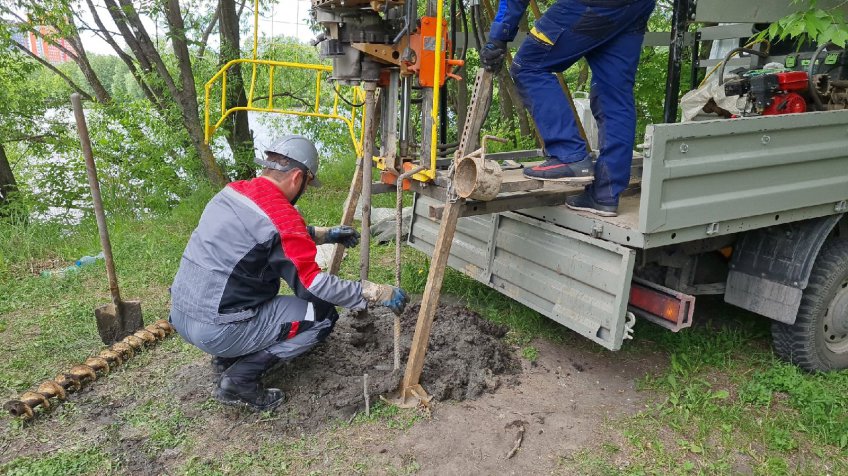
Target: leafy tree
[
  {"x": 811, "y": 24},
  {"x": 24, "y": 121},
  {"x": 163, "y": 84}
]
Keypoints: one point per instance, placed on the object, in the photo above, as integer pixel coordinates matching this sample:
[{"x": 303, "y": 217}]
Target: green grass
[
  {"x": 70, "y": 462},
  {"x": 725, "y": 405},
  {"x": 163, "y": 425},
  {"x": 49, "y": 322},
  {"x": 391, "y": 416}
]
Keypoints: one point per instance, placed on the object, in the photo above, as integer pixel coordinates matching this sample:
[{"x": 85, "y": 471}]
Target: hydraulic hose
[{"x": 733, "y": 52}]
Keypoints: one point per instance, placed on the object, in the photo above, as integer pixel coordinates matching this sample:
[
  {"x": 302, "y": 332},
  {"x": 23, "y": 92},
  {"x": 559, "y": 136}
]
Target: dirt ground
[
  {"x": 465, "y": 359},
  {"x": 486, "y": 395},
  {"x": 562, "y": 400}
]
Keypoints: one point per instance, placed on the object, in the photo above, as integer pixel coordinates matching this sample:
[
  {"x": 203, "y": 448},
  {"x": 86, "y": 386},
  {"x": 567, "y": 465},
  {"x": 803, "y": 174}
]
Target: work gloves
[
  {"x": 393, "y": 298},
  {"x": 492, "y": 56},
  {"x": 343, "y": 235}
]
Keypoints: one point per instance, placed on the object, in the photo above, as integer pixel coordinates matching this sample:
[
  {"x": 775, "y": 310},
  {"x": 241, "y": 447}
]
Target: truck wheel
[{"x": 818, "y": 341}]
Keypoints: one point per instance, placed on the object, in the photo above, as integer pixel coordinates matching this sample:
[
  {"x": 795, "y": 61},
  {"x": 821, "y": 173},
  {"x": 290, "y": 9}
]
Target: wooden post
[
  {"x": 410, "y": 386},
  {"x": 347, "y": 215},
  {"x": 481, "y": 97},
  {"x": 367, "y": 155}
]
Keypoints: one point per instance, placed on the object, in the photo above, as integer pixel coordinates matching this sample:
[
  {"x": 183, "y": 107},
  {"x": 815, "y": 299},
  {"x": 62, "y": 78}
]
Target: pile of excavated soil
[{"x": 466, "y": 358}]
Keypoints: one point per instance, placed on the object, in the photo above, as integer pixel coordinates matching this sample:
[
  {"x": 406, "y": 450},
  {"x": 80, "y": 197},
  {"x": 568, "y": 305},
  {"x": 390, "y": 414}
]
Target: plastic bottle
[{"x": 84, "y": 261}]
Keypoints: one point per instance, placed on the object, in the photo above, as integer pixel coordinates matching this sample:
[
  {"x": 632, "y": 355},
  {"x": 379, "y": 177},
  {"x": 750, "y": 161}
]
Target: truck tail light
[{"x": 661, "y": 305}]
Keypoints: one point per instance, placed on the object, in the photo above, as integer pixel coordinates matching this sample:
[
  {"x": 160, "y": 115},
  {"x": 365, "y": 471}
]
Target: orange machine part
[
  {"x": 423, "y": 42},
  {"x": 389, "y": 177}
]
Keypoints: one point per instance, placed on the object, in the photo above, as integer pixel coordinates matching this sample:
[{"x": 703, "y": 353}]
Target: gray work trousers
[{"x": 264, "y": 331}]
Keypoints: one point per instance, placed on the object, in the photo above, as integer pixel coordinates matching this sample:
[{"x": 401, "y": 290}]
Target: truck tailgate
[{"x": 572, "y": 278}]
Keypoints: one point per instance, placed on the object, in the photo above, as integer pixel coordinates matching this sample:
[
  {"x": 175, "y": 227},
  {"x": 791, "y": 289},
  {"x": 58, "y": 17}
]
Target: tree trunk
[
  {"x": 154, "y": 95},
  {"x": 238, "y": 127},
  {"x": 507, "y": 110},
  {"x": 81, "y": 60},
  {"x": 515, "y": 100},
  {"x": 7, "y": 178},
  {"x": 54, "y": 69},
  {"x": 134, "y": 33},
  {"x": 204, "y": 40},
  {"x": 583, "y": 75},
  {"x": 186, "y": 94}
]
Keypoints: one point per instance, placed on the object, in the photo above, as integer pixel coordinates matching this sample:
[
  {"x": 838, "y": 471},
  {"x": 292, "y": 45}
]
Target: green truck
[{"x": 752, "y": 208}]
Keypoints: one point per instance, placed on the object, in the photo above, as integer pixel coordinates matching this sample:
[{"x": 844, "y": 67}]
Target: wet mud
[{"x": 467, "y": 358}]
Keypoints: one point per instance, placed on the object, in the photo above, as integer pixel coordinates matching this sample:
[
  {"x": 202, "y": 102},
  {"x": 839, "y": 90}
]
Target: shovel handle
[{"x": 85, "y": 144}]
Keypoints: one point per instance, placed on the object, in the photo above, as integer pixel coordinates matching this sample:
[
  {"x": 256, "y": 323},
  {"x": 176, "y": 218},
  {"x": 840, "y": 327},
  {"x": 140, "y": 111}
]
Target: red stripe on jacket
[
  {"x": 297, "y": 245},
  {"x": 293, "y": 331}
]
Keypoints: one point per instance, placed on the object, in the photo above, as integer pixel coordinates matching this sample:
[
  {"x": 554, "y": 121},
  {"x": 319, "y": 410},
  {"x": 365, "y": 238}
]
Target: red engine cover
[
  {"x": 786, "y": 103},
  {"x": 792, "y": 81}
]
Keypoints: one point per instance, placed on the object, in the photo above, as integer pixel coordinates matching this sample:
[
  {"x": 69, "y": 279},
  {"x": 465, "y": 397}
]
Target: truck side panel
[
  {"x": 708, "y": 173},
  {"x": 576, "y": 280}
]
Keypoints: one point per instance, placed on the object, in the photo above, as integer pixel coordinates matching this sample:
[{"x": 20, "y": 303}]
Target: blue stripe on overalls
[{"x": 608, "y": 33}]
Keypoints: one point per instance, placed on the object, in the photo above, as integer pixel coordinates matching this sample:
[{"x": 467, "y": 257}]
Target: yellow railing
[{"x": 315, "y": 111}]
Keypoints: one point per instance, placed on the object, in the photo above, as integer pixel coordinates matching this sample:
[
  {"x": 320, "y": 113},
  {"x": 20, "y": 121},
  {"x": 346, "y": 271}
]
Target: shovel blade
[{"x": 115, "y": 323}]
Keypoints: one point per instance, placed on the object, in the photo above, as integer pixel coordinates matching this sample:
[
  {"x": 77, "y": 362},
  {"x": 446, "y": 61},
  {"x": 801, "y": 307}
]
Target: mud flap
[
  {"x": 578, "y": 281},
  {"x": 771, "y": 267}
]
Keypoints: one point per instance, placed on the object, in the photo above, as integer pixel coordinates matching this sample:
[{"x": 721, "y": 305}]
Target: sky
[{"x": 286, "y": 17}]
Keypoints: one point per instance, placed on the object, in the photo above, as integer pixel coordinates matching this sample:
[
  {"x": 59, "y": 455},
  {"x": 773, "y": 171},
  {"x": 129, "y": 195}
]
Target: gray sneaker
[{"x": 585, "y": 202}]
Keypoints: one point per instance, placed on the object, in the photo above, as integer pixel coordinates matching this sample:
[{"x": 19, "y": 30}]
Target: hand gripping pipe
[{"x": 88, "y": 371}]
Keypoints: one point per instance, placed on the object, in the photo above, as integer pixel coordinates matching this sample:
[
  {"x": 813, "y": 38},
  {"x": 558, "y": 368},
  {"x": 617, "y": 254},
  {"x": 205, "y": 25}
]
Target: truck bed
[{"x": 699, "y": 180}]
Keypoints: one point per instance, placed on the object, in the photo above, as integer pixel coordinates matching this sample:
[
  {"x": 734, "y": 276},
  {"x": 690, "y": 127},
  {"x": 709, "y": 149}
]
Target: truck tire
[{"x": 818, "y": 341}]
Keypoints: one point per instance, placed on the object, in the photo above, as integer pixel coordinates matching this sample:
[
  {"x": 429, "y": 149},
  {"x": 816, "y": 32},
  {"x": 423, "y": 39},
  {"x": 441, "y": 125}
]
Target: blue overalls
[{"x": 608, "y": 33}]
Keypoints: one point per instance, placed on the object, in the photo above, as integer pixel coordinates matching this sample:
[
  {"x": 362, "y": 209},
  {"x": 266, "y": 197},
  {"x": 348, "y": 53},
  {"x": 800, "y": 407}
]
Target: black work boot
[
  {"x": 241, "y": 383},
  {"x": 221, "y": 364}
]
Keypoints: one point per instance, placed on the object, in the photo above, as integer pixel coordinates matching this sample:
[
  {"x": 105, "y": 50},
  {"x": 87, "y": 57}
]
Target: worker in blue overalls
[{"x": 608, "y": 33}]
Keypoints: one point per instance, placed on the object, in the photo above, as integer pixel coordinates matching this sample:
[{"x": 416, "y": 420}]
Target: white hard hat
[{"x": 297, "y": 149}]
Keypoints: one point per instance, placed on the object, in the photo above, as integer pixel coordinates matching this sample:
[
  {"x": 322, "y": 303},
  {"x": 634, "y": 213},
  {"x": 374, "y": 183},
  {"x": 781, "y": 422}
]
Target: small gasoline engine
[
  {"x": 807, "y": 81},
  {"x": 771, "y": 93}
]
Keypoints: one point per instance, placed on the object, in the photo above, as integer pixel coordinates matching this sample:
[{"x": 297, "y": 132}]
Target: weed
[
  {"x": 392, "y": 416},
  {"x": 530, "y": 353}
]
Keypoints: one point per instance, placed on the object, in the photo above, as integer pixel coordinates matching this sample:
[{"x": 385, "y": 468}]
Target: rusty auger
[{"x": 87, "y": 372}]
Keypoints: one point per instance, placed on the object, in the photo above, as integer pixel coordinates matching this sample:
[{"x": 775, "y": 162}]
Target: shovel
[{"x": 117, "y": 319}]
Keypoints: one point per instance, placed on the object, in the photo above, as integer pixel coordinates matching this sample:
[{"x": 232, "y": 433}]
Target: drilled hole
[
  {"x": 395, "y": 54},
  {"x": 673, "y": 236},
  {"x": 628, "y": 238},
  {"x": 825, "y": 327},
  {"x": 776, "y": 217}
]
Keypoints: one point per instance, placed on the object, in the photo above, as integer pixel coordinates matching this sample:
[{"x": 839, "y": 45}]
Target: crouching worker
[{"x": 225, "y": 295}]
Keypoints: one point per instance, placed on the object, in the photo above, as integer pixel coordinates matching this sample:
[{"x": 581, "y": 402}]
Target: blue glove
[
  {"x": 397, "y": 303},
  {"x": 492, "y": 56},
  {"x": 392, "y": 297},
  {"x": 343, "y": 235}
]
